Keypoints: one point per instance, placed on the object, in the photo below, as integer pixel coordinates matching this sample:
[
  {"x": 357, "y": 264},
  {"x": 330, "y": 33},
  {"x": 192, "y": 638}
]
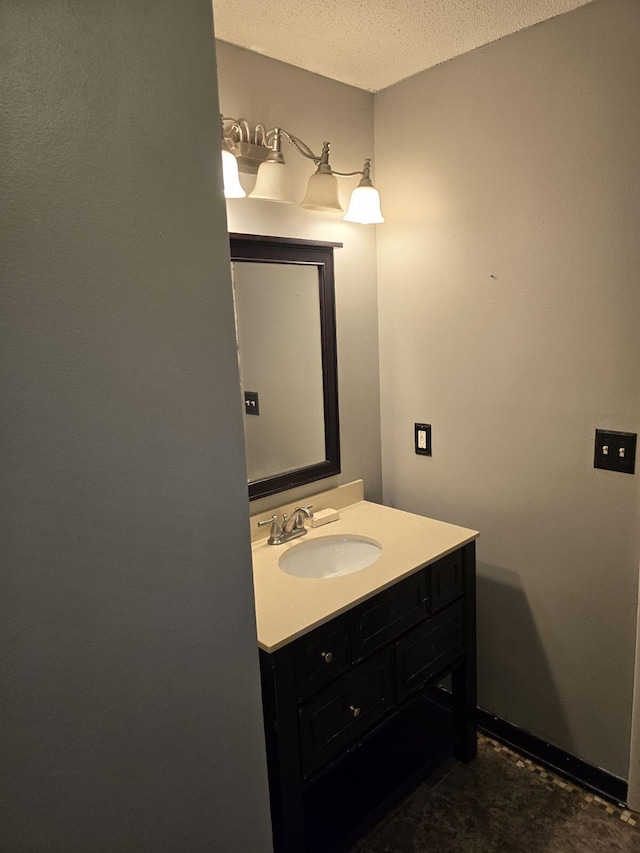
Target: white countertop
[{"x": 288, "y": 607}]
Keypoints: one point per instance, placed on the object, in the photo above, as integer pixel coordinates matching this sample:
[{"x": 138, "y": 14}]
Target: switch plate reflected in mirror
[{"x": 251, "y": 402}]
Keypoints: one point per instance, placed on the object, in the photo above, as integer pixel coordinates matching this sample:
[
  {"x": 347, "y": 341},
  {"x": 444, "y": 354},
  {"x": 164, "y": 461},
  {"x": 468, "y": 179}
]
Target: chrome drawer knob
[
  {"x": 328, "y": 657},
  {"x": 356, "y": 711}
]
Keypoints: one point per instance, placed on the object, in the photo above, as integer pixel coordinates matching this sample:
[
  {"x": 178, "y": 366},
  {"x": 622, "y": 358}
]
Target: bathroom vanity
[{"x": 350, "y": 667}]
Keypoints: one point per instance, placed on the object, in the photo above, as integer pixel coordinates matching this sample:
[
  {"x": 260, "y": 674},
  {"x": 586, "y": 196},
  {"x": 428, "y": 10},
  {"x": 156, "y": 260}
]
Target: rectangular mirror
[{"x": 285, "y": 325}]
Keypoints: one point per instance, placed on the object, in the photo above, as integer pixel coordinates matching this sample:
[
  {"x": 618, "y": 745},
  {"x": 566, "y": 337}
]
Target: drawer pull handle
[
  {"x": 327, "y": 657},
  {"x": 356, "y": 711}
]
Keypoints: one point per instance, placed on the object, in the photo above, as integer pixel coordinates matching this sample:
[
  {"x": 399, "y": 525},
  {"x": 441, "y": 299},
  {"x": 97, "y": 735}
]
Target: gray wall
[
  {"x": 316, "y": 109},
  {"x": 509, "y": 306},
  {"x": 131, "y": 716}
]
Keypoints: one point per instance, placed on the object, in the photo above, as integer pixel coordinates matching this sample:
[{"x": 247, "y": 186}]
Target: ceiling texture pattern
[{"x": 372, "y": 44}]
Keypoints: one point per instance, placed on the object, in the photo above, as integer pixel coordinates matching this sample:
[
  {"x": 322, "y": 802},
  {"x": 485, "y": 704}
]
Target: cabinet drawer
[
  {"x": 428, "y": 649},
  {"x": 384, "y": 617},
  {"x": 322, "y": 655},
  {"x": 445, "y": 580},
  {"x": 343, "y": 712}
]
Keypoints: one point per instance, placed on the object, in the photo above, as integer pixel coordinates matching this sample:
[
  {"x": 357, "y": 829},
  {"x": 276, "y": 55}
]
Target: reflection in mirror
[
  {"x": 278, "y": 327},
  {"x": 285, "y": 321}
]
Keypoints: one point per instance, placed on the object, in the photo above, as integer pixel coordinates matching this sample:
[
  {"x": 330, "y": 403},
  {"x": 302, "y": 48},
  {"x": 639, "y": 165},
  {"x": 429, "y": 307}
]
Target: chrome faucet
[{"x": 292, "y": 526}]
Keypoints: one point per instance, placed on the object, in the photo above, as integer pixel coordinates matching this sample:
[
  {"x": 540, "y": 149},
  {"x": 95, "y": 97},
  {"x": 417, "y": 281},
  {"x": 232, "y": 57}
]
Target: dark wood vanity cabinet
[{"x": 353, "y": 715}]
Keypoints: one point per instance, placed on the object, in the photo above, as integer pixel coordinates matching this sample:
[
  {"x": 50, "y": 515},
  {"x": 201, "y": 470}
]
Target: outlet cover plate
[
  {"x": 422, "y": 439},
  {"x": 615, "y": 451}
]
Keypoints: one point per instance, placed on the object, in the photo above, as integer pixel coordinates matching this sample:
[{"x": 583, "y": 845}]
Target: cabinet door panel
[
  {"x": 428, "y": 649},
  {"x": 322, "y": 655},
  {"x": 343, "y": 712},
  {"x": 446, "y": 581},
  {"x": 383, "y": 618}
]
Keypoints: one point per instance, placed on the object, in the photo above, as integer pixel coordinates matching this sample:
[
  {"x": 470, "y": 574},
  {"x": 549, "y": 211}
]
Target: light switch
[
  {"x": 615, "y": 451},
  {"x": 251, "y": 404}
]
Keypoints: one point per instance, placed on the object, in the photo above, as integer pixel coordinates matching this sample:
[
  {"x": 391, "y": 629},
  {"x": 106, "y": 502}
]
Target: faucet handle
[{"x": 276, "y": 531}]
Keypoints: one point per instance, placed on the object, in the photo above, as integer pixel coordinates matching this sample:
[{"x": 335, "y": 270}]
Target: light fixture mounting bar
[{"x": 249, "y": 148}]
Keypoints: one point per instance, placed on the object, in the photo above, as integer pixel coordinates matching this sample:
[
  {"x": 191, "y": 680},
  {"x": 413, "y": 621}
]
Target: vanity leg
[
  {"x": 464, "y": 715},
  {"x": 464, "y": 679},
  {"x": 283, "y": 757}
]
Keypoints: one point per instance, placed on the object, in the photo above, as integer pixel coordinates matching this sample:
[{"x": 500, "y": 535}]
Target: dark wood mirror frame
[{"x": 282, "y": 250}]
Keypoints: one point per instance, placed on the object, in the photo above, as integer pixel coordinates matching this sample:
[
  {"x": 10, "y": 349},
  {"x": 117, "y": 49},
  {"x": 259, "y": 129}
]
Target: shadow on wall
[{"x": 515, "y": 679}]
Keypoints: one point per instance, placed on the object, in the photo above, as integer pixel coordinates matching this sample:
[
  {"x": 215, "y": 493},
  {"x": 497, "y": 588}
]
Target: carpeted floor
[{"x": 502, "y": 803}]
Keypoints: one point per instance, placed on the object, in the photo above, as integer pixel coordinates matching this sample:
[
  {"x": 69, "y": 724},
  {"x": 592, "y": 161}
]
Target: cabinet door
[
  {"x": 322, "y": 655},
  {"x": 381, "y": 619},
  {"x": 343, "y": 712},
  {"x": 429, "y": 649},
  {"x": 446, "y": 580}
]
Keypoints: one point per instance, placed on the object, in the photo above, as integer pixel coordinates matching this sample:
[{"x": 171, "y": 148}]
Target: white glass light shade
[
  {"x": 273, "y": 183},
  {"x": 232, "y": 186},
  {"x": 364, "y": 206},
  {"x": 322, "y": 193}
]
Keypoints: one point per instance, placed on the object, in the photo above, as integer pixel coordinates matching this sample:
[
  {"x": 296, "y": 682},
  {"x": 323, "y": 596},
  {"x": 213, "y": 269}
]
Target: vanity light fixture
[
  {"x": 364, "y": 206},
  {"x": 260, "y": 151},
  {"x": 273, "y": 182},
  {"x": 232, "y": 186}
]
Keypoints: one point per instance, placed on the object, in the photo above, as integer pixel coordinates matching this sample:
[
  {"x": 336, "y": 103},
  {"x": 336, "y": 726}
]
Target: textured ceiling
[{"x": 374, "y": 43}]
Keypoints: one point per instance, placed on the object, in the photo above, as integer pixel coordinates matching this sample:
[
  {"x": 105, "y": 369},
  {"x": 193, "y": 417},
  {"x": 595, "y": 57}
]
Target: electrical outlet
[
  {"x": 422, "y": 439},
  {"x": 615, "y": 451},
  {"x": 251, "y": 405}
]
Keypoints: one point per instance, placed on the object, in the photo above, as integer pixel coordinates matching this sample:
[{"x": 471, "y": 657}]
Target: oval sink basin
[{"x": 330, "y": 556}]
